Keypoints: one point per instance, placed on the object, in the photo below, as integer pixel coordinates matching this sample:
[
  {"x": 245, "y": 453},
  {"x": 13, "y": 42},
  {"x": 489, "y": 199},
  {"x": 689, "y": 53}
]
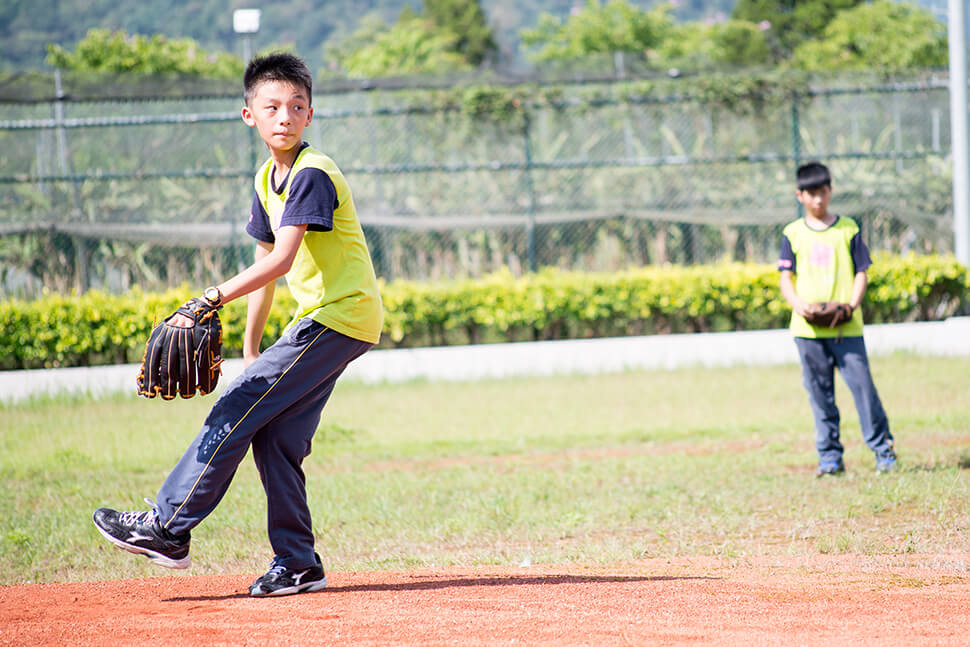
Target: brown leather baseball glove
[
  {"x": 183, "y": 361},
  {"x": 829, "y": 314}
]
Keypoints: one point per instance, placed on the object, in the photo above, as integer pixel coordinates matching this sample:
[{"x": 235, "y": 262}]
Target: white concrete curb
[{"x": 493, "y": 361}]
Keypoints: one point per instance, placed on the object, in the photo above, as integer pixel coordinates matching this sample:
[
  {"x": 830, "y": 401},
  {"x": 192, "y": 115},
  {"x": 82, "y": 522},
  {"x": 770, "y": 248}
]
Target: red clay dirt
[{"x": 885, "y": 600}]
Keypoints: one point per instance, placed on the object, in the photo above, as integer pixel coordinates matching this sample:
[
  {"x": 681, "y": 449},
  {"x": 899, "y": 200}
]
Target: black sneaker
[
  {"x": 279, "y": 580},
  {"x": 140, "y": 533}
]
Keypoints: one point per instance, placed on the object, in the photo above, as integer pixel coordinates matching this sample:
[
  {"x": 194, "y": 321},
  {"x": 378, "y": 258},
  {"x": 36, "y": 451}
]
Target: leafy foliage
[
  {"x": 413, "y": 45},
  {"x": 616, "y": 26},
  {"x": 100, "y": 328},
  {"x": 467, "y": 21},
  {"x": 27, "y": 27},
  {"x": 883, "y": 35},
  {"x": 551, "y": 304},
  {"x": 745, "y": 94},
  {"x": 448, "y": 36},
  {"x": 791, "y": 22},
  {"x": 312, "y": 28},
  {"x": 491, "y": 103},
  {"x": 822, "y": 34},
  {"x": 105, "y": 51},
  {"x": 736, "y": 43}
]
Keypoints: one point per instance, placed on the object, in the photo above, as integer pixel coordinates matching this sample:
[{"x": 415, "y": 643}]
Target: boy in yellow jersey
[
  {"x": 823, "y": 258},
  {"x": 306, "y": 229}
]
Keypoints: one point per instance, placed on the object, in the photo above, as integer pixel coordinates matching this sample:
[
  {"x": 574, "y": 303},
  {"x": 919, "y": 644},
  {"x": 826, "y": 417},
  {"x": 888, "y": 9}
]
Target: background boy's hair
[
  {"x": 278, "y": 66},
  {"x": 812, "y": 176}
]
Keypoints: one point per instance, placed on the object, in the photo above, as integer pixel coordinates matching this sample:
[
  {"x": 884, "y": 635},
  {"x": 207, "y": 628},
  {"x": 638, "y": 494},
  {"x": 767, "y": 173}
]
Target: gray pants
[
  {"x": 819, "y": 358},
  {"x": 274, "y": 407}
]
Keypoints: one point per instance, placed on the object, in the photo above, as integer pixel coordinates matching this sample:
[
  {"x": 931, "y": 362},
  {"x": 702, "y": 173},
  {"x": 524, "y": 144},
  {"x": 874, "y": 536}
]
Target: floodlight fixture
[{"x": 245, "y": 21}]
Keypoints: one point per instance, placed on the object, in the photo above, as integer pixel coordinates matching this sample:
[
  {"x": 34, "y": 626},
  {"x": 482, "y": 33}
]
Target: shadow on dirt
[{"x": 433, "y": 584}]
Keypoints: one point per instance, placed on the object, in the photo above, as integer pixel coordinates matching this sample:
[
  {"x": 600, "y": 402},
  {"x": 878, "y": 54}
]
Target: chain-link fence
[{"x": 138, "y": 192}]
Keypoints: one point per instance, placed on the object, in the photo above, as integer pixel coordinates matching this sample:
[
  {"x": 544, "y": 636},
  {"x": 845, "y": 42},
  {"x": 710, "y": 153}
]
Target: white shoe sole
[
  {"x": 156, "y": 557},
  {"x": 309, "y": 587}
]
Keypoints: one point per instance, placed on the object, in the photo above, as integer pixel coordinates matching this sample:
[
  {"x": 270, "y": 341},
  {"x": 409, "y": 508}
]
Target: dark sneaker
[
  {"x": 886, "y": 462},
  {"x": 830, "y": 469},
  {"x": 279, "y": 580},
  {"x": 140, "y": 533}
]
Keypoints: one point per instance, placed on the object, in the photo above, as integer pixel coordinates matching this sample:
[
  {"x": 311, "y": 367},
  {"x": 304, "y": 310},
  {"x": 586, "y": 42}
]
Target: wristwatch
[{"x": 213, "y": 295}]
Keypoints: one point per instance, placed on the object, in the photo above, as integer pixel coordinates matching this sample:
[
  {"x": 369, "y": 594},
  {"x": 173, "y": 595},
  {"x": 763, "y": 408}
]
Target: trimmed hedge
[{"x": 100, "y": 329}]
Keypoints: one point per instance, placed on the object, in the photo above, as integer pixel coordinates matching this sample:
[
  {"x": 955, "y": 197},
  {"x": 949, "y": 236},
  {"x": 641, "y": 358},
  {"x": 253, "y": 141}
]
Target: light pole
[{"x": 246, "y": 23}]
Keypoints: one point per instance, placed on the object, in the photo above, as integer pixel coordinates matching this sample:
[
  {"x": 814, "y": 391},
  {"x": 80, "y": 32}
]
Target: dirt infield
[{"x": 886, "y": 600}]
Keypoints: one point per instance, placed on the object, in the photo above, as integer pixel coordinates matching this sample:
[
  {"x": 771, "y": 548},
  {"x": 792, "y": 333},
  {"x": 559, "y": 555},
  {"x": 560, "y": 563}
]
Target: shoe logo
[
  {"x": 299, "y": 576},
  {"x": 133, "y": 537}
]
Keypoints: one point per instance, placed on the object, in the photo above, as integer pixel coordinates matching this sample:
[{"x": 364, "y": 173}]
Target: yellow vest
[
  {"x": 332, "y": 277},
  {"x": 824, "y": 271}
]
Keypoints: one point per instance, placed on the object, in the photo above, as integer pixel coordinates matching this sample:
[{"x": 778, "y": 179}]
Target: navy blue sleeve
[
  {"x": 786, "y": 259},
  {"x": 258, "y": 226},
  {"x": 311, "y": 201},
  {"x": 860, "y": 254}
]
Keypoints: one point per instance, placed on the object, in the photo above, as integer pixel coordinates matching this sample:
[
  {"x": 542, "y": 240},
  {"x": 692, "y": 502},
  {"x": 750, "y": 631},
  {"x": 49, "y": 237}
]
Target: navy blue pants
[
  {"x": 274, "y": 407},
  {"x": 819, "y": 358}
]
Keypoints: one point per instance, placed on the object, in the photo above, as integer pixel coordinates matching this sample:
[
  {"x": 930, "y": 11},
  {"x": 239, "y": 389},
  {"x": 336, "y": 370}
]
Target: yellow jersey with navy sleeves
[
  {"x": 332, "y": 277},
  {"x": 824, "y": 263}
]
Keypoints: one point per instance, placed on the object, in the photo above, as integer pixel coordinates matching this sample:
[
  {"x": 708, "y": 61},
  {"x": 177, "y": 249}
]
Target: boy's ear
[{"x": 247, "y": 116}]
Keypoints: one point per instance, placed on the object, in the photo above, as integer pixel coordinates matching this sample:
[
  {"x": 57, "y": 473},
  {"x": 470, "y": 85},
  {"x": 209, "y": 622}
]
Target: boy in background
[
  {"x": 823, "y": 258},
  {"x": 306, "y": 228}
]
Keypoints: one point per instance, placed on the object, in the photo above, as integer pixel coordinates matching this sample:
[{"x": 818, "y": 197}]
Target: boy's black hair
[
  {"x": 278, "y": 66},
  {"x": 812, "y": 176}
]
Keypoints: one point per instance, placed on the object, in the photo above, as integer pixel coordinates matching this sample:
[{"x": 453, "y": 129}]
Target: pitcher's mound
[{"x": 886, "y": 600}]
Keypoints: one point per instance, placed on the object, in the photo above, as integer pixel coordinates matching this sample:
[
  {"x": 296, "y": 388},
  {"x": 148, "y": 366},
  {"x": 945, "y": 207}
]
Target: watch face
[{"x": 212, "y": 294}]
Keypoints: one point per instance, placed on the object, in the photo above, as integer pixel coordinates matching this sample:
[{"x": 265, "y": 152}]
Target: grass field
[{"x": 594, "y": 469}]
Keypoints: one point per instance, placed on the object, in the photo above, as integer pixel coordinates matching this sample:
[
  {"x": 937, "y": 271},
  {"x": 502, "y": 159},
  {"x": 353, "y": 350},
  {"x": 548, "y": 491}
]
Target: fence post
[
  {"x": 530, "y": 190},
  {"x": 81, "y": 266},
  {"x": 796, "y": 142}
]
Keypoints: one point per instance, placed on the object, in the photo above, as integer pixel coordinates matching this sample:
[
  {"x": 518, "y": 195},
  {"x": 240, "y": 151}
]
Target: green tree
[
  {"x": 102, "y": 50},
  {"x": 791, "y": 22},
  {"x": 736, "y": 43},
  {"x": 884, "y": 35},
  {"x": 466, "y": 20},
  {"x": 448, "y": 36},
  {"x": 412, "y": 45},
  {"x": 616, "y": 26}
]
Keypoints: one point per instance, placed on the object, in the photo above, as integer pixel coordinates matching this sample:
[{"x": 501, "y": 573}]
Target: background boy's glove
[
  {"x": 180, "y": 359},
  {"x": 829, "y": 314}
]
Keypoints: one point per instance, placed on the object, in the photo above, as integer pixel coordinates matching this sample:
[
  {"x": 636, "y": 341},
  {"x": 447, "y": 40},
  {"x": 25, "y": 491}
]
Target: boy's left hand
[{"x": 180, "y": 359}]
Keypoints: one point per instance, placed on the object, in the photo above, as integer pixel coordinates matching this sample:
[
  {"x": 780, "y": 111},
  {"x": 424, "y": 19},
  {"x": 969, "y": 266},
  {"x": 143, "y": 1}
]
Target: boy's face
[
  {"x": 816, "y": 200},
  {"x": 279, "y": 111}
]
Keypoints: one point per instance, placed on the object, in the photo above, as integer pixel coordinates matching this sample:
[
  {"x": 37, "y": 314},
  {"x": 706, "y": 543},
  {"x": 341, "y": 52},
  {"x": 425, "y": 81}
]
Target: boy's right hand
[{"x": 804, "y": 309}]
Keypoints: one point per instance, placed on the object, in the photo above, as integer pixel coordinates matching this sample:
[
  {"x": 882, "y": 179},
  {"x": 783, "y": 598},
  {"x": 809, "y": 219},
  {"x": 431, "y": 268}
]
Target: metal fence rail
[{"x": 102, "y": 194}]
